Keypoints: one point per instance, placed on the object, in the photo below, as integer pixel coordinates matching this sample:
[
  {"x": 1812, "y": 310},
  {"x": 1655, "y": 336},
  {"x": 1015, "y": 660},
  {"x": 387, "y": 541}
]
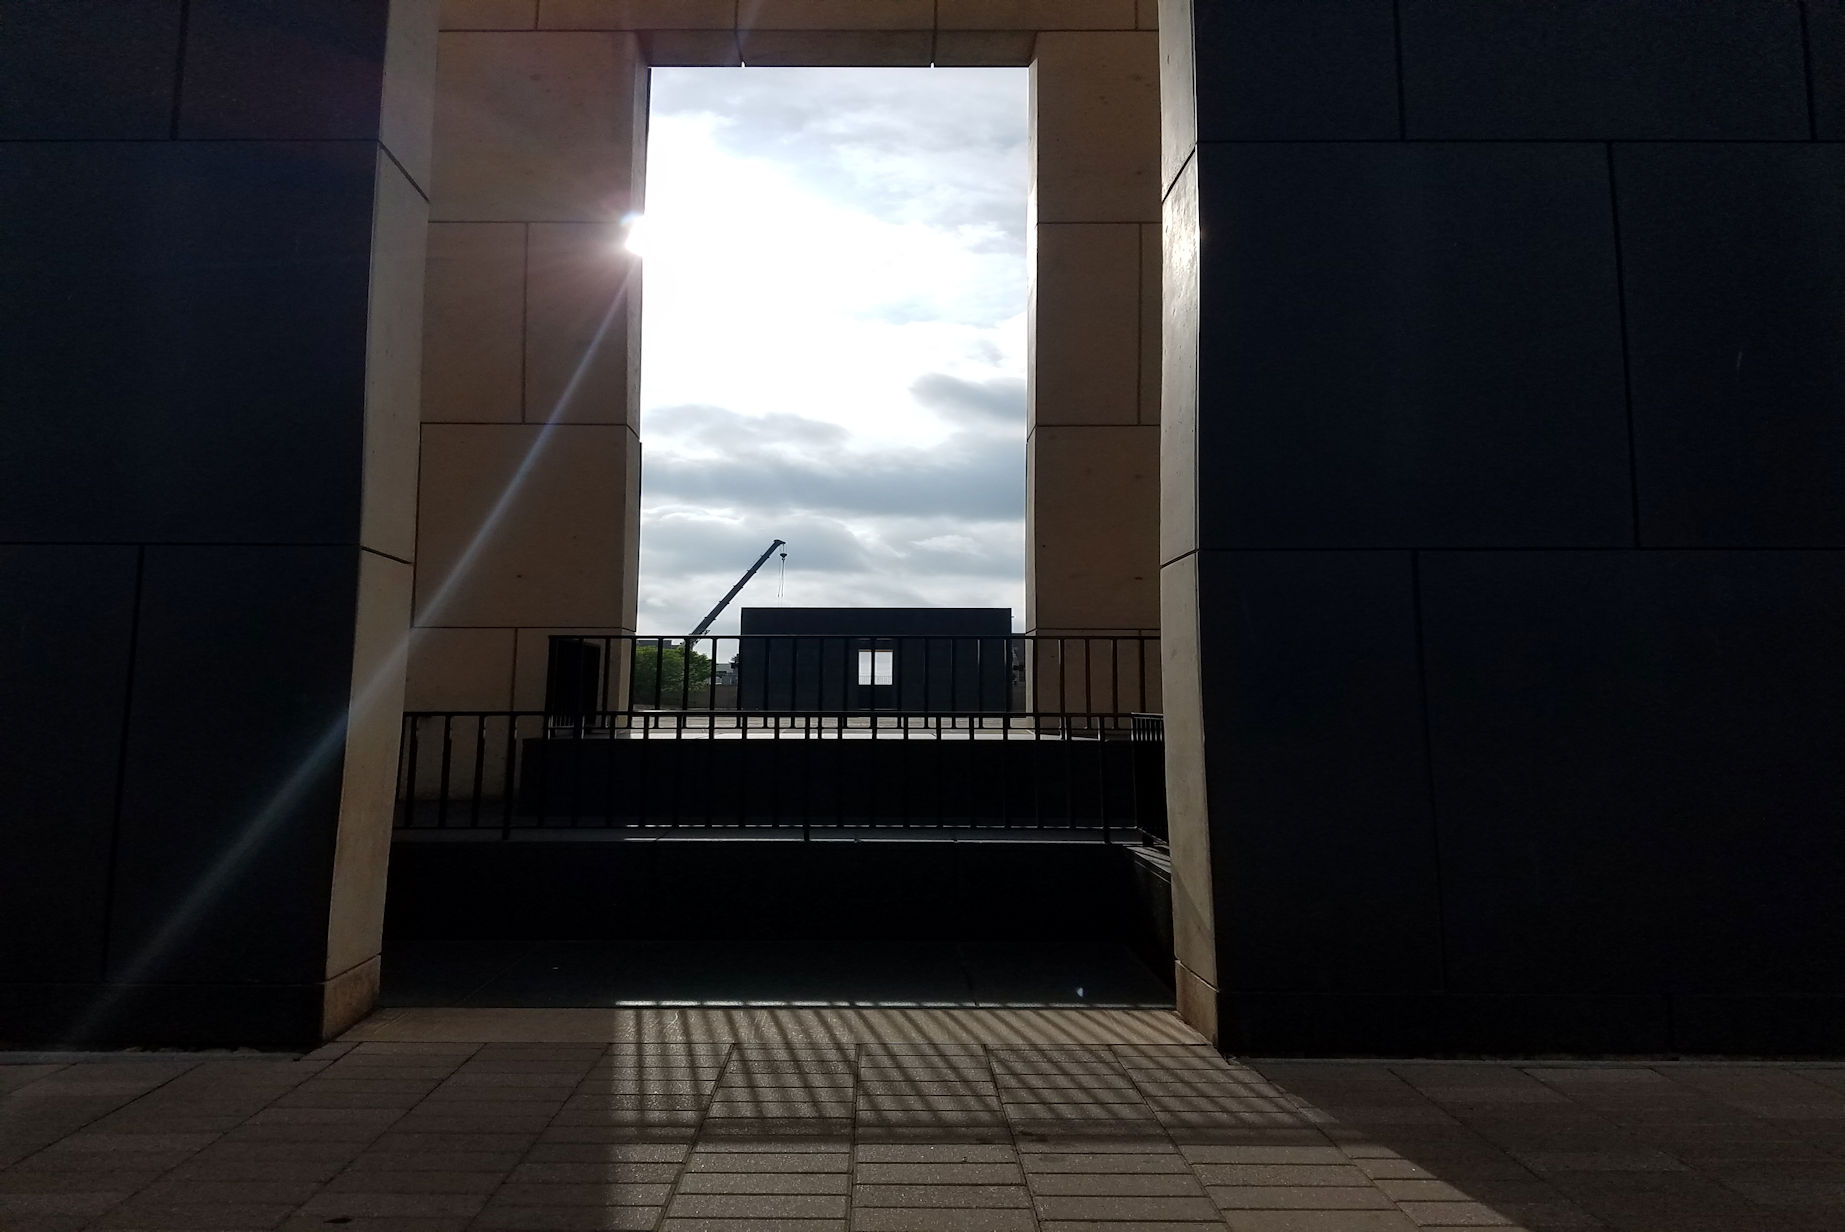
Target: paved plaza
[{"x": 897, "y": 1120}]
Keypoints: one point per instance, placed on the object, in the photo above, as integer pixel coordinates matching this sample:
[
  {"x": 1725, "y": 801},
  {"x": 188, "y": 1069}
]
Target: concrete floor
[{"x": 876, "y": 1119}]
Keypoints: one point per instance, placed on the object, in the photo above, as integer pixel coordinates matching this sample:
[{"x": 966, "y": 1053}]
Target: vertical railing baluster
[
  {"x": 448, "y": 758},
  {"x": 480, "y": 769},
  {"x": 510, "y": 787},
  {"x": 414, "y": 722}
]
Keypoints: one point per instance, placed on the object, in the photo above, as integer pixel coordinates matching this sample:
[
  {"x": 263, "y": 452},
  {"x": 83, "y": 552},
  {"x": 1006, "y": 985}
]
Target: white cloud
[{"x": 834, "y": 337}]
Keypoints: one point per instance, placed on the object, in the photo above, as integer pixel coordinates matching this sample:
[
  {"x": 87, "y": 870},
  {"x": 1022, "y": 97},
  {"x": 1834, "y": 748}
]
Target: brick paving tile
[
  {"x": 54, "y": 1160},
  {"x": 939, "y": 1174},
  {"x": 1228, "y": 1131},
  {"x": 632, "y": 1127},
  {"x": 754, "y": 1225},
  {"x": 1421, "y": 1191},
  {"x": 75, "y": 1182},
  {"x": 1052, "y": 1163},
  {"x": 765, "y": 1183},
  {"x": 1307, "y": 1198},
  {"x": 766, "y": 1159},
  {"x": 1454, "y": 1215},
  {"x": 194, "y": 1216},
  {"x": 1138, "y": 1225},
  {"x": 813, "y": 1144},
  {"x": 398, "y": 1139},
  {"x": 582, "y": 1193},
  {"x": 1117, "y": 1184},
  {"x": 898, "y": 1219},
  {"x": 1084, "y": 1111},
  {"x": 1067, "y": 1141},
  {"x": 1094, "y": 1207},
  {"x": 334, "y": 1205},
  {"x": 565, "y": 1219},
  {"x": 985, "y": 1197},
  {"x": 1318, "y": 1221},
  {"x": 415, "y": 1181},
  {"x": 206, "y": 1167},
  {"x": 181, "y": 1192},
  {"x": 1282, "y": 1174},
  {"x": 382, "y": 1223},
  {"x": 758, "y": 1206},
  {"x": 935, "y": 1153},
  {"x": 747, "y": 1128},
  {"x": 17, "y": 1208},
  {"x": 593, "y": 1172},
  {"x": 900, "y": 1102},
  {"x": 1616, "y": 1160}
]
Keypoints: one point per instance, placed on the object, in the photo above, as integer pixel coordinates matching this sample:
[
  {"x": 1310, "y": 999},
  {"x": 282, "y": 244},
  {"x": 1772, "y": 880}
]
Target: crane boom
[{"x": 743, "y": 581}]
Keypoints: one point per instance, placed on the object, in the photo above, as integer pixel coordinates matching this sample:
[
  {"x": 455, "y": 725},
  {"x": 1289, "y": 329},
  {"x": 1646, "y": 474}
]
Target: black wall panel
[
  {"x": 88, "y": 69},
  {"x": 1826, "y": 66},
  {"x": 1410, "y": 345},
  {"x": 66, "y": 620},
  {"x": 283, "y": 69},
  {"x": 1281, "y": 70},
  {"x": 1734, "y": 271},
  {"x": 1571, "y": 349},
  {"x": 235, "y": 749},
  {"x": 1604, "y": 69},
  {"x": 184, "y": 329},
  {"x": 1638, "y": 770},
  {"x": 1312, "y": 698}
]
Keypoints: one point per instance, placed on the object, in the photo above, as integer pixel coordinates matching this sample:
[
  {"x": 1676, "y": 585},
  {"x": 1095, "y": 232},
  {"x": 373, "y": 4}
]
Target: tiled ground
[{"x": 792, "y": 1121}]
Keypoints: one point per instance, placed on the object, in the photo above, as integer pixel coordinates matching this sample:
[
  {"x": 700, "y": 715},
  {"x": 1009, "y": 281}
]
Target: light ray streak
[{"x": 325, "y": 751}]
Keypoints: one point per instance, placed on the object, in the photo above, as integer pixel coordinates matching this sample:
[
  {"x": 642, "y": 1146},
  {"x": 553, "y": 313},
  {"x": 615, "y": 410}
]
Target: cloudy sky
[{"x": 834, "y": 347}]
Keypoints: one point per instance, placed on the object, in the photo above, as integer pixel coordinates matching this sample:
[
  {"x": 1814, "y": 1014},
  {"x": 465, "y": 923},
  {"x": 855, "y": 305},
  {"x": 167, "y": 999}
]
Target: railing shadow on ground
[{"x": 1133, "y": 1123}]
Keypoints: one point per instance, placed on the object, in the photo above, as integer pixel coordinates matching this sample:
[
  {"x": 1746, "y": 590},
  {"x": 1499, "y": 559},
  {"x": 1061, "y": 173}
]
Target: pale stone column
[
  {"x": 1093, "y": 446},
  {"x": 528, "y": 508}
]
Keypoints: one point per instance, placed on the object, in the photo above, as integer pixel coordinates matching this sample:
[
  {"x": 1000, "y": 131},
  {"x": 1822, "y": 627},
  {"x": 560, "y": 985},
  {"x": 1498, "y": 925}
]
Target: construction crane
[{"x": 723, "y": 603}]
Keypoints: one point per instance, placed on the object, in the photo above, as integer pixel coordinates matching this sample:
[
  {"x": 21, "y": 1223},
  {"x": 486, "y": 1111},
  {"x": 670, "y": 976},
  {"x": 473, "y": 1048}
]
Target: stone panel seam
[
  {"x": 1627, "y": 365},
  {"x": 1190, "y": 156},
  {"x": 1428, "y": 764},
  {"x": 179, "y": 68},
  {"x": 121, "y": 765},
  {"x": 1806, "y": 74},
  {"x": 1140, "y": 315},
  {"x": 404, "y": 171},
  {"x": 1396, "y": 30},
  {"x": 387, "y": 556},
  {"x": 525, "y": 311},
  {"x": 340, "y": 975}
]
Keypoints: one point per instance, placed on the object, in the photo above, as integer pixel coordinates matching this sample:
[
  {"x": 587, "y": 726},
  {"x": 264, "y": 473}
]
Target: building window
[{"x": 874, "y": 666}]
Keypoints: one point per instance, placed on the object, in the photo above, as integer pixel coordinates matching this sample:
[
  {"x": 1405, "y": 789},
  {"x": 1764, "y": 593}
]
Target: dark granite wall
[
  {"x": 1518, "y": 333},
  {"x": 186, "y": 210}
]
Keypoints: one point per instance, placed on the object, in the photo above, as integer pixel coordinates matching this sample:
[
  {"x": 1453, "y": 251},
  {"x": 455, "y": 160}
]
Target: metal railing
[
  {"x": 1100, "y": 677},
  {"x": 815, "y": 733}
]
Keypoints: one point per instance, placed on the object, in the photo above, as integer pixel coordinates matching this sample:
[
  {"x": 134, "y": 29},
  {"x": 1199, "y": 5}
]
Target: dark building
[
  {"x": 904, "y": 659},
  {"x": 1508, "y": 565}
]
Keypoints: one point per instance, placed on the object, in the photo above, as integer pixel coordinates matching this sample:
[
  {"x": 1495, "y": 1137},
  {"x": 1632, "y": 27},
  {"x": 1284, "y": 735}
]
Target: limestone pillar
[
  {"x": 1093, "y": 391},
  {"x": 529, "y": 499}
]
